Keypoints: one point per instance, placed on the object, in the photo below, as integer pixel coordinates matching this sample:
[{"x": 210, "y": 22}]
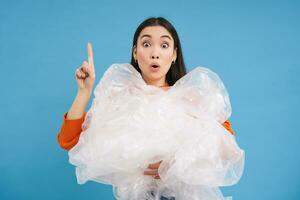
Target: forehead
[{"x": 155, "y": 32}]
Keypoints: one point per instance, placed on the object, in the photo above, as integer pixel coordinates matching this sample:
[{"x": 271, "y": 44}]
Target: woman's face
[{"x": 154, "y": 53}]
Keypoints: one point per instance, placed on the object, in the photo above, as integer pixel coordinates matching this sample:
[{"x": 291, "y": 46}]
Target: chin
[{"x": 156, "y": 75}]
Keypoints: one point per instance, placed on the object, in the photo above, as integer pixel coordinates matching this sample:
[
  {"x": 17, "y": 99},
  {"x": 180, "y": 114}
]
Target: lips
[{"x": 154, "y": 67}]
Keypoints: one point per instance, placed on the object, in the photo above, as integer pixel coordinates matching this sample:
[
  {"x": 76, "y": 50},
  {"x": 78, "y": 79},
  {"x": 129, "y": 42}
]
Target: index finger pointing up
[{"x": 90, "y": 55}]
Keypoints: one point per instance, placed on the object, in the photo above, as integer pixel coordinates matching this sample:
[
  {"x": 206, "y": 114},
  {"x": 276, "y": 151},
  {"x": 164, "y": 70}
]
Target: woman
[{"x": 156, "y": 55}]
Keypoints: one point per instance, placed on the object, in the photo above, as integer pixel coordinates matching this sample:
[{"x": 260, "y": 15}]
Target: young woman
[{"x": 156, "y": 55}]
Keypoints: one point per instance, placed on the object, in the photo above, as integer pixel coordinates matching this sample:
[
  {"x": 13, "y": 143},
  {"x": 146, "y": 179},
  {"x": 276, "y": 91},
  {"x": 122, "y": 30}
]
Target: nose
[{"x": 155, "y": 52}]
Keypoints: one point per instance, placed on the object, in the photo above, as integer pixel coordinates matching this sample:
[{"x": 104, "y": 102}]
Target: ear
[
  {"x": 134, "y": 52},
  {"x": 175, "y": 54}
]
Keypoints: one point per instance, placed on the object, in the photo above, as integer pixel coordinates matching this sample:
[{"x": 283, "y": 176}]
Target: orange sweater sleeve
[
  {"x": 227, "y": 125},
  {"x": 70, "y": 131}
]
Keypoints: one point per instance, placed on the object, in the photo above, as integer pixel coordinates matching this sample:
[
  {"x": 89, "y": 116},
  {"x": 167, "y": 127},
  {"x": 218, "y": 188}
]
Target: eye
[
  {"x": 165, "y": 45},
  {"x": 146, "y": 44}
]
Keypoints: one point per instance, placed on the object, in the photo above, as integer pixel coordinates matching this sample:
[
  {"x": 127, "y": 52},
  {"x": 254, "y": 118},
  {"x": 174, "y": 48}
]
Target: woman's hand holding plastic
[{"x": 153, "y": 170}]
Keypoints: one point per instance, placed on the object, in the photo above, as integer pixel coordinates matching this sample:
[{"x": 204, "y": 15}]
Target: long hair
[{"x": 177, "y": 70}]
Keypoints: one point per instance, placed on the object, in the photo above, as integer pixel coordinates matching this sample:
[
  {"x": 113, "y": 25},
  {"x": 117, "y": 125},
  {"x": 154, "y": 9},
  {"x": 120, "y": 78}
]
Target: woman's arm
[
  {"x": 71, "y": 128},
  {"x": 72, "y": 120},
  {"x": 70, "y": 131}
]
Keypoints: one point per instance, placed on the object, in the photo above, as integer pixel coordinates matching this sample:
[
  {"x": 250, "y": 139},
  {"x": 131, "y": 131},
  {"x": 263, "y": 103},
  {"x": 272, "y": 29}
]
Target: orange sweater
[{"x": 70, "y": 131}]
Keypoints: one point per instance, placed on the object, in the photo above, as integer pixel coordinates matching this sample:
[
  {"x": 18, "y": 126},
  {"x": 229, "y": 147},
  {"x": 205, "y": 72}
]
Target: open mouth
[{"x": 154, "y": 67}]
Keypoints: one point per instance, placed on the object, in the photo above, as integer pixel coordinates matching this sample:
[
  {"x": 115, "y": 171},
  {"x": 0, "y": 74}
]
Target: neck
[{"x": 158, "y": 83}]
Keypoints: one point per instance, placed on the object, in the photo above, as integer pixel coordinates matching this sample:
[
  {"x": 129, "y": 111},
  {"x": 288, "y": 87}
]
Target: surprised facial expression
[{"x": 154, "y": 53}]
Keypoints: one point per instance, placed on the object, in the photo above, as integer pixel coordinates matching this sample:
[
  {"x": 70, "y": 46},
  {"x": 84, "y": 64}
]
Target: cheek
[
  {"x": 168, "y": 53},
  {"x": 142, "y": 55},
  {"x": 142, "y": 59}
]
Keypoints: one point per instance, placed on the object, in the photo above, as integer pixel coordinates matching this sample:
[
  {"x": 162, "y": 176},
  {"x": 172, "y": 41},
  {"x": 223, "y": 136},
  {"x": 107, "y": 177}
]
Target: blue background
[{"x": 252, "y": 45}]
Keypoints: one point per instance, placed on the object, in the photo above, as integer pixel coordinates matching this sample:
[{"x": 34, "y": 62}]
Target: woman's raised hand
[{"x": 85, "y": 74}]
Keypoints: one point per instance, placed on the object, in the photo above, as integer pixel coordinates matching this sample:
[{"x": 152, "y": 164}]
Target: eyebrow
[{"x": 163, "y": 36}]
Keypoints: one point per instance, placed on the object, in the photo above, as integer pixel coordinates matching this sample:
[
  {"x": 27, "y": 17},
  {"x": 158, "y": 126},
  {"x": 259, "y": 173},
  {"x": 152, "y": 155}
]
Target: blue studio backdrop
[{"x": 254, "y": 46}]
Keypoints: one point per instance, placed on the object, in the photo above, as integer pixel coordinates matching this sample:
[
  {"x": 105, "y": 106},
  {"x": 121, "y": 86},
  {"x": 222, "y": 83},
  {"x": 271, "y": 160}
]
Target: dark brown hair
[{"x": 177, "y": 70}]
